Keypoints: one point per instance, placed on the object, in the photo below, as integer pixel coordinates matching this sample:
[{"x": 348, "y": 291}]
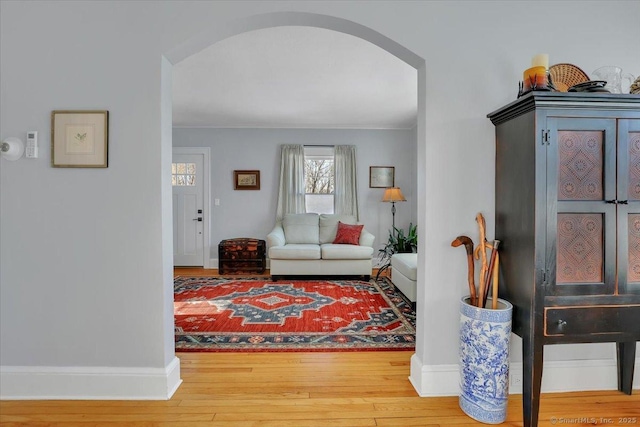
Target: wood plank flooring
[
  {"x": 201, "y": 272},
  {"x": 306, "y": 390},
  {"x": 349, "y": 389}
]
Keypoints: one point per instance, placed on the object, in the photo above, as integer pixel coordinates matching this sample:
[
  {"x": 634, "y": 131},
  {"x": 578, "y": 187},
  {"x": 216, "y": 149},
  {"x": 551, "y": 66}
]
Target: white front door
[{"x": 189, "y": 216}]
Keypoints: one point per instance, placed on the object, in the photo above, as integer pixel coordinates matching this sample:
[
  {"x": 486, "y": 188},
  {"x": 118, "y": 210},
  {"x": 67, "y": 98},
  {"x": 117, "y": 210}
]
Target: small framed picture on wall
[
  {"x": 381, "y": 176},
  {"x": 79, "y": 139},
  {"x": 246, "y": 180}
]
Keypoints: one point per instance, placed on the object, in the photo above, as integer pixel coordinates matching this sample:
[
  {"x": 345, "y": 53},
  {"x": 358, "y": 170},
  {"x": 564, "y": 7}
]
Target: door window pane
[{"x": 183, "y": 174}]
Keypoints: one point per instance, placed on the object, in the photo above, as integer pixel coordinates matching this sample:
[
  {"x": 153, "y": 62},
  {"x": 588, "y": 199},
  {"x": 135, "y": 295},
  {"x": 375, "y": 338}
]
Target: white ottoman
[{"x": 404, "y": 273}]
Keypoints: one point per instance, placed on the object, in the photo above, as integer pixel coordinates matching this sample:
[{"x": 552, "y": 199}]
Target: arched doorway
[{"x": 257, "y": 22}]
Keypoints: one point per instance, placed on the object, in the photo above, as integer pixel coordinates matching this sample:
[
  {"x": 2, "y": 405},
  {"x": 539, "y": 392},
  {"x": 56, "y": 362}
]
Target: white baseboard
[
  {"x": 90, "y": 383},
  {"x": 558, "y": 376},
  {"x": 434, "y": 380}
]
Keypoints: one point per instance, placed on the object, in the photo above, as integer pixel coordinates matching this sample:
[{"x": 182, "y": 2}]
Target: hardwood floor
[
  {"x": 305, "y": 390},
  {"x": 201, "y": 272},
  {"x": 349, "y": 389}
]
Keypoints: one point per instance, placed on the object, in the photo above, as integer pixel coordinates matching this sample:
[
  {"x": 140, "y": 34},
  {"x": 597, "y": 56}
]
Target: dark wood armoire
[{"x": 568, "y": 217}]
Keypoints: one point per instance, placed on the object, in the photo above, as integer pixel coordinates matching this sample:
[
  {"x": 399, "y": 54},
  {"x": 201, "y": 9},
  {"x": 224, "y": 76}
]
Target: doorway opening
[
  {"x": 331, "y": 23},
  {"x": 190, "y": 183}
]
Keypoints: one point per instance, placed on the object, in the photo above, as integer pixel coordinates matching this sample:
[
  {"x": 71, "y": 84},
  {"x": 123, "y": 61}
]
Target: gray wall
[
  {"x": 252, "y": 213},
  {"x": 85, "y": 255}
]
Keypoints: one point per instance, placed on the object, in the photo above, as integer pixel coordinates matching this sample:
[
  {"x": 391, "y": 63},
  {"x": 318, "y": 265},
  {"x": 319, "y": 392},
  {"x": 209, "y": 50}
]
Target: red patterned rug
[{"x": 223, "y": 314}]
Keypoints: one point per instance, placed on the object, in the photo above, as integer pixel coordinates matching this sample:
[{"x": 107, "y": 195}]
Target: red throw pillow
[{"x": 348, "y": 234}]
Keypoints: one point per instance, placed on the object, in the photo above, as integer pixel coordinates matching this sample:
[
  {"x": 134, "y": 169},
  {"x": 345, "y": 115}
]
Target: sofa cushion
[
  {"x": 337, "y": 251},
  {"x": 348, "y": 234},
  {"x": 295, "y": 251},
  {"x": 301, "y": 228},
  {"x": 329, "y": 225},
  {"x": 407, "y": 264}
]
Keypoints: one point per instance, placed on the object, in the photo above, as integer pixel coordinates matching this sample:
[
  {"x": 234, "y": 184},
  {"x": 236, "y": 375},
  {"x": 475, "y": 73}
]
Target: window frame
[{"x": 320, "y": 152}]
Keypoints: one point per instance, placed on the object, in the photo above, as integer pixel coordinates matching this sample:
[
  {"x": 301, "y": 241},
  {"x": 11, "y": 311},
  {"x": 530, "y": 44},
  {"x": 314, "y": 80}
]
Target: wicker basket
[
  {"x": 635, "y": 87},
  {"x": 563, "y": 76}
]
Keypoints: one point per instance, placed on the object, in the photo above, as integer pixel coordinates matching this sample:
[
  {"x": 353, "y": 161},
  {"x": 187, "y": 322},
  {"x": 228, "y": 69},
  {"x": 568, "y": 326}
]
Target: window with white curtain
[{"x": 319, "y": 178}]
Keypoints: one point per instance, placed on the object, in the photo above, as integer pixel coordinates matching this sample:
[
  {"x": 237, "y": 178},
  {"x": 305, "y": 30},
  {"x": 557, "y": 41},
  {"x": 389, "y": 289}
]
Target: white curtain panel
[
  {"x": 291, "y": 192},
  {"x": 346, "y": 188}
]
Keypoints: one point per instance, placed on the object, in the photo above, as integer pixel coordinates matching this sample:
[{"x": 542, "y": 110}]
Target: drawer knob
[{"x": 562, "y": 322}]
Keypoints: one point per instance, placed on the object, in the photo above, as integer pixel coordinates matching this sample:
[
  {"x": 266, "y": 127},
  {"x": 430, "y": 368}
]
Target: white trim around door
[{"x": 206, "y": 178}]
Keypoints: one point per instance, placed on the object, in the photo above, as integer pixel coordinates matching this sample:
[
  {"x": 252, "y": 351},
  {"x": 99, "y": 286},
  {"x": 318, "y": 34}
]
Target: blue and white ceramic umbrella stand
[{"x": 484, "y": 360}]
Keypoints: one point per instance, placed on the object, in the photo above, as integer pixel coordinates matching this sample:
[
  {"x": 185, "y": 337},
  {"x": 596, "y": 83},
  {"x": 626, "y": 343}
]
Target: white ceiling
[{"x": 294, "y": 77}]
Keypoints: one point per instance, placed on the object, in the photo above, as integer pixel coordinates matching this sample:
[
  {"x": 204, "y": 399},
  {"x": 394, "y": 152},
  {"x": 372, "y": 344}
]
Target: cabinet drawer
[{"x": 591, "y": 320}]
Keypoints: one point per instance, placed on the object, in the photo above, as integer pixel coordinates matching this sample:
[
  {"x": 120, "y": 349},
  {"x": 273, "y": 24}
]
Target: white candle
[{"x": 541, "y": 60}]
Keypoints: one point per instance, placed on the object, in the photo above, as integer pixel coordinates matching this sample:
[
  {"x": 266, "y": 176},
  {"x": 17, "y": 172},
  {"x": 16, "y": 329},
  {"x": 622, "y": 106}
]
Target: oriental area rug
[{"x": 228, "y": 314}]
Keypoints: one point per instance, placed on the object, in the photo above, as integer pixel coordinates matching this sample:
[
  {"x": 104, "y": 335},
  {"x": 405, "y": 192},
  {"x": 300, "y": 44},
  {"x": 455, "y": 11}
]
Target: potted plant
[
  {"x": 485, "y": 331},
  {"x": 399, "y": 242}
]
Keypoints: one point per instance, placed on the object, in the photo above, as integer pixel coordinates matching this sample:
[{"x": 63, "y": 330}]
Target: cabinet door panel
[
  {"x": 629, "y": 160},
  {"x": 581, "y": 172},
  {"x": 580, "y": 165},
  {"x": 633, "y": 245},
  {"x": 629, "y": 211},
  {"x": 580, "y": 248}
]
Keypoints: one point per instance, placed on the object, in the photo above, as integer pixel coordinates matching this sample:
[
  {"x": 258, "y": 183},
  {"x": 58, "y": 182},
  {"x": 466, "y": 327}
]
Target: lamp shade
[{"x": 393, "y": 194}]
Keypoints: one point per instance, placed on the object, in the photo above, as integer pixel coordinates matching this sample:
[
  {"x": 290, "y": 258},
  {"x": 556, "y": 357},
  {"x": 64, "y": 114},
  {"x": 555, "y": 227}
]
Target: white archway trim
[
  {"x": 257, "y": 22},
  {"x": 278, "y": 19}
]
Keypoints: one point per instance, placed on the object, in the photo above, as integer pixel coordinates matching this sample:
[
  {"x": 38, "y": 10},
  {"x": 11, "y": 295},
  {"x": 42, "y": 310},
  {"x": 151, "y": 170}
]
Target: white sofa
[
  {"x": 302, "y": 245},
  {"x": 404, "y": 274}
]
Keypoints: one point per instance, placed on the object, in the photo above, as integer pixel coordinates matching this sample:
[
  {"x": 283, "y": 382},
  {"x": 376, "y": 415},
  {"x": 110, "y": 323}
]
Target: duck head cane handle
[{"x": 468, "y": 245}]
